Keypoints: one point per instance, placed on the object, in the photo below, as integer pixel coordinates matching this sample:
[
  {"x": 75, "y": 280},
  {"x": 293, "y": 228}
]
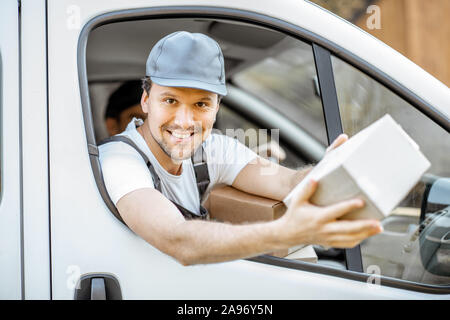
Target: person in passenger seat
[
  {"x": 154, "y": 177},
  {"x": 123, "y": 105}
]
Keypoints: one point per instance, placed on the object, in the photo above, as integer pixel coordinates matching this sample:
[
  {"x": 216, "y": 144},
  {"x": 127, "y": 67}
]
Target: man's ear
[
  {"x": 112, "y": 126},
  {"x": 144, "y": 101},
  {"x": 217, "y": 111}
]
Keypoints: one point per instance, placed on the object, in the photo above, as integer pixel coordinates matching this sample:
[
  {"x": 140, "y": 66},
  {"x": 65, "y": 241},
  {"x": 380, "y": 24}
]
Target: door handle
[
  {"x": 98, "y": 290},
  {"x": 98, "y": 286}
]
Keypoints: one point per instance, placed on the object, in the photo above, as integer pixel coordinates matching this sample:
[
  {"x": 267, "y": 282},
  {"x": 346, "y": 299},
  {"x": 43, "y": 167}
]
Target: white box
[{"x": 380, "y": 164}]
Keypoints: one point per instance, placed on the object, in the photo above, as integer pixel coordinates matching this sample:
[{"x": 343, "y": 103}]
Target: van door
[
  {"x": 34, "y": 136},
  {"x": 87, "y": 241},
  {"x": 10, "y": 160}
]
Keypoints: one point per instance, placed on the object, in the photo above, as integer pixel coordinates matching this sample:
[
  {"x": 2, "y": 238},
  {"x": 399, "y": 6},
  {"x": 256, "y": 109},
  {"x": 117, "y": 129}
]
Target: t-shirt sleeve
[
  {"x": 226, "y": 158},
  {"x": 124, "y": 170}
]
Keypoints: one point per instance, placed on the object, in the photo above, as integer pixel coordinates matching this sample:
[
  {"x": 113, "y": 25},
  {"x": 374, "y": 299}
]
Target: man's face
[{"x": 179, "y": 119}]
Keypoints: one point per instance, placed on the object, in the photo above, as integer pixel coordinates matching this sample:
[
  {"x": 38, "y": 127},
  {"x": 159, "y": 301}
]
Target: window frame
[
  {"x": 323, "y": 47},
  {"x": 333, "y": 124}
]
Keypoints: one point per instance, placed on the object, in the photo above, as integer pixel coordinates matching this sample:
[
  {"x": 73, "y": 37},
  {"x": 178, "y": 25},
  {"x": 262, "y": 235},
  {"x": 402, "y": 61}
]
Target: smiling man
[{"x": 160, "y": 199}]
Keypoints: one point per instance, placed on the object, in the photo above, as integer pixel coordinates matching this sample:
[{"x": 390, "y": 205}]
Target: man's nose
[{"x": 184, "y": 117}]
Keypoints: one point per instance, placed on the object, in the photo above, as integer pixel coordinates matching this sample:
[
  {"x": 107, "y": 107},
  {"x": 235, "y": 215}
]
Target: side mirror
[{"x": 434, "y": 239}]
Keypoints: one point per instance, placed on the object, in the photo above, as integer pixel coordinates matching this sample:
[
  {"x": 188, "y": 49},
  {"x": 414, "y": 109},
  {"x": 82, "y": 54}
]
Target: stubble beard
[{"x": 175, "y": 153}]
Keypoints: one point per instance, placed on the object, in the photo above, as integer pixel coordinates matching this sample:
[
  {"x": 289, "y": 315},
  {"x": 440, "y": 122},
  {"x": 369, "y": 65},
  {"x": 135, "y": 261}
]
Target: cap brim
[{"x": 195, "y": 84}]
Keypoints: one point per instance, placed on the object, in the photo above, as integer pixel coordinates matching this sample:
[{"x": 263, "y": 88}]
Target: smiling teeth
[{"x": 181, "y": 136}]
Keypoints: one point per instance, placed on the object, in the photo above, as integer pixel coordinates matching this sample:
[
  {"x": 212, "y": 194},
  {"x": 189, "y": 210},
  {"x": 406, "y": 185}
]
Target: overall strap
[
  {"x": 130, "y": 142},
  {"x": 200, "y": 169}
]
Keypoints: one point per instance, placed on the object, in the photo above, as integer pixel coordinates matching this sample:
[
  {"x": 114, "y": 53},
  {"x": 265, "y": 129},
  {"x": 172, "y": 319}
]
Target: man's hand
[{"x": 306, "y": 223}]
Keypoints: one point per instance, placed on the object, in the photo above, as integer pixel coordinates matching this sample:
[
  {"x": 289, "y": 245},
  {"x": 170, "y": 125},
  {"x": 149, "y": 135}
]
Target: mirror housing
[{"x": 434, "y": 239}]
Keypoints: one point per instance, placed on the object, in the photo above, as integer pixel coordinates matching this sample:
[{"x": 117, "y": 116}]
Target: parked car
[{"x": 290, "y": 66}]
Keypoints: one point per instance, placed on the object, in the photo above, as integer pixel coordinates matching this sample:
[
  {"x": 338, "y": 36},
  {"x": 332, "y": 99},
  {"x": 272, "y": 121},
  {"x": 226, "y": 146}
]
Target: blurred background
[{"x": 418, "y": 29}]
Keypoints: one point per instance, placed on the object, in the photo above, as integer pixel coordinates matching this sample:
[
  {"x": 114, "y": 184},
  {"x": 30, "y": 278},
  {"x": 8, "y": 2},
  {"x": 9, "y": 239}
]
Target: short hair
[
  {"x": 124, "y": 97},
  {"x": 147, "y": 84}
]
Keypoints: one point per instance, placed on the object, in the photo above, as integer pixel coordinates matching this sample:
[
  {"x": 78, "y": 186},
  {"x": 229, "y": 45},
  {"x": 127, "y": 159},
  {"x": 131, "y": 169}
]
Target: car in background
[{"x": 290, "y": 66}]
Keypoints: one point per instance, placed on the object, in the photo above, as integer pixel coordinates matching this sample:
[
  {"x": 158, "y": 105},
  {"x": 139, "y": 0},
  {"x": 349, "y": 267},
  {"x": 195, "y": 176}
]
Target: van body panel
[
  {"x": 34, "y": 149},
  {"x": 10, "y": 160}
]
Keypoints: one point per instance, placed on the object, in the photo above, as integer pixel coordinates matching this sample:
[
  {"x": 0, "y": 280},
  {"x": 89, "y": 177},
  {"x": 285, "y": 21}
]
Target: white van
[{"x": 290, "y": 65}]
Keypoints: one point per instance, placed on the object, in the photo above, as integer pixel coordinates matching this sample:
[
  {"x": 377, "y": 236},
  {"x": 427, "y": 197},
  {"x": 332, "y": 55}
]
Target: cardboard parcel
[
  {"x": 227, "y": 204},
  {"x": 380, "y": 165}
]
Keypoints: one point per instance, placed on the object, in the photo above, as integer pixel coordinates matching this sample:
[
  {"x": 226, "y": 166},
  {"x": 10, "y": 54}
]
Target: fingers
[
  {"x": 348, "y": 234},
  {"x": 353, "y": 238},
  {"x": 337, "y": 210},
  {"x": 338, "y": 141},
  {"x": 305, "y": 193},
  {"x": 353, "y": 227},
  {"x": 349, "y": 240}
]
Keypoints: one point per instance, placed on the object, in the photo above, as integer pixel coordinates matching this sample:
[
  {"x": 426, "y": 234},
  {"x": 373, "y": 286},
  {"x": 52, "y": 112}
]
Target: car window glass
[
  {"x": 229, "y": 118},
  {"x": 415, "y": 245},
  {"x": 287, "y": 81}
]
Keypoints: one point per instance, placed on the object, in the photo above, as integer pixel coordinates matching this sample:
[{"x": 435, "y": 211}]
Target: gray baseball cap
[{"x": 190, "y": 60}]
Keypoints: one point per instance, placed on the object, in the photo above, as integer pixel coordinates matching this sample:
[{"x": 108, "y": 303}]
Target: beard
[{"x": 180, "y": 151}]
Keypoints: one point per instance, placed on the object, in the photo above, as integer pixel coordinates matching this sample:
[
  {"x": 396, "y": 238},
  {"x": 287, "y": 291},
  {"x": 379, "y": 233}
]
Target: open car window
[
  {"x": 415, "y": 245},
  {"x": 271, "y": 79},
  {"x": 287, "y": 81}
]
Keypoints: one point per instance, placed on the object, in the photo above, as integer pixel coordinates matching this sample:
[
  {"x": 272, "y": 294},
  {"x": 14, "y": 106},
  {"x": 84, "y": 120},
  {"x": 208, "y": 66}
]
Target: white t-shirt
[{"x": 124, "y": 169}]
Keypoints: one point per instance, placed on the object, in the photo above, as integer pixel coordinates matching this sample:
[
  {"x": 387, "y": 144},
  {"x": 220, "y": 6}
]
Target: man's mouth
[{"x": 181, "y": 136}]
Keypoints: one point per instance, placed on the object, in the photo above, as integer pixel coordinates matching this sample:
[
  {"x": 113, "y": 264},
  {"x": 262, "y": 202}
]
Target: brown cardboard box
[{"x": 227, "y": 204}]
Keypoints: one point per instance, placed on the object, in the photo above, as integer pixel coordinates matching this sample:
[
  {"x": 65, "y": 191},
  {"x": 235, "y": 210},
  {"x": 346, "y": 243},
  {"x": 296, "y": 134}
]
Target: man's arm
[
  {"x": 154, "y": 218},
  {"x": 157, "y": 220}
]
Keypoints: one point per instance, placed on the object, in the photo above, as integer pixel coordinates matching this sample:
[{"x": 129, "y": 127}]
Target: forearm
[
  {"x": 268, "y": 179},
  {"x": 289, "y": 180},
  {"x": 196, "y": 241},
  {"x": 200, "y": 242}
]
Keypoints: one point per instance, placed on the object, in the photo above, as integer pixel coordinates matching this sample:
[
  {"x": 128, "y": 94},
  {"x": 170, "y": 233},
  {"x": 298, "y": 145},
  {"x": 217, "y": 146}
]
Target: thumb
[
  {"x": 305, "y": 192},
  {"x": 337, "y": 142}
]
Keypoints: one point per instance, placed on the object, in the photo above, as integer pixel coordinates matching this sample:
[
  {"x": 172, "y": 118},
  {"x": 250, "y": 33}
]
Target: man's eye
[
  {"x": 169, "y": 101},
  {"x": 201, "y": 104}
]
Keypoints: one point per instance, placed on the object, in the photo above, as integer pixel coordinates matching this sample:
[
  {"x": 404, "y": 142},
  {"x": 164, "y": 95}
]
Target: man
[
  {"x": 184, "y": 83},
  {"x": 123, "y": 105}
]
